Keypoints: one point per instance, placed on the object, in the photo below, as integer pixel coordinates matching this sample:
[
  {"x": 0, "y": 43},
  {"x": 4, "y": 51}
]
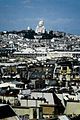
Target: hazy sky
[{"x": 62, "y": 15}]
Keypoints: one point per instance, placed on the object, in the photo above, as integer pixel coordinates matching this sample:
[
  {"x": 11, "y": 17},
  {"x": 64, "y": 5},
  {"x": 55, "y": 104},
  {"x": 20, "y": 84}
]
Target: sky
[{"x": 58, "y": 15}]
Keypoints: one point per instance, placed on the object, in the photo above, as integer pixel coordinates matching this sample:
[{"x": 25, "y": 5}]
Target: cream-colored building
[{"x": 72, "y": 108}]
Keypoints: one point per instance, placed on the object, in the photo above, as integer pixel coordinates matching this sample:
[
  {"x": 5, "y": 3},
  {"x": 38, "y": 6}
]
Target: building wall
[
  {"x": 72, "y": 108},
  {"x": 48, "y": 110},
  {"x": 24, "y": 112},
  {"x": 48, "y": 96},
  {"x": 31, "y": 103},
  {"x": 59, "y": 54}
]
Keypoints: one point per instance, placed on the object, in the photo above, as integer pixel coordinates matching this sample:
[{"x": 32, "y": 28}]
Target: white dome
[
  {"x": 41, "y": 23},
  {"x": 40, "y": 27}
]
